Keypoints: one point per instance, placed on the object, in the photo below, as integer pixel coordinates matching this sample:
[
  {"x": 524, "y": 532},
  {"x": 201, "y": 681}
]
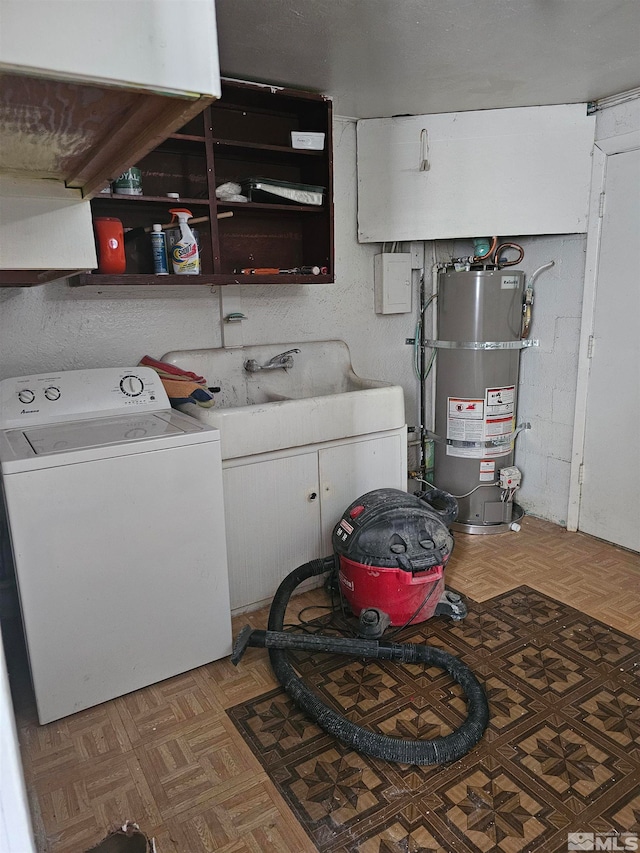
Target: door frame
[{"x": 603, "y": 149}]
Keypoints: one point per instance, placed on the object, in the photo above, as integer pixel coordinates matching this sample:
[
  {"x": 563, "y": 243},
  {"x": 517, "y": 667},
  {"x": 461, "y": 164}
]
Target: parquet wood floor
[{"x": 169, "y": 758}]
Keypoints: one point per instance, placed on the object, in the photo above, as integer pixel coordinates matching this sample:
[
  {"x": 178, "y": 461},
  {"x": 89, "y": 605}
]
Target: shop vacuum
[{"x": 390, "y": 551}]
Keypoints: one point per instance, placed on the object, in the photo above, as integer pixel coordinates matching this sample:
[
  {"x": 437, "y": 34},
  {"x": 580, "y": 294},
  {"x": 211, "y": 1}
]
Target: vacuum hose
[{"x": 439, "y": 750}]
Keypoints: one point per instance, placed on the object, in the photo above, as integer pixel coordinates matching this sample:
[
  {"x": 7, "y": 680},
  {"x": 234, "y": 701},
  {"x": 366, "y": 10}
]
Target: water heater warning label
[
  {"x": 500, "y": 412},
  {"x": 500, "y": 401},
  {"x": 487, "y": 470},
  {"x": 472, "y": 422},
  {"x": 465, "y": 421}
]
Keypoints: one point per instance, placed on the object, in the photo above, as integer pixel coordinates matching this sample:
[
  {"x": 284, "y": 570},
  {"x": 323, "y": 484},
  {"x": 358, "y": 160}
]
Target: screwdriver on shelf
[{"x": 275, "y": 271}]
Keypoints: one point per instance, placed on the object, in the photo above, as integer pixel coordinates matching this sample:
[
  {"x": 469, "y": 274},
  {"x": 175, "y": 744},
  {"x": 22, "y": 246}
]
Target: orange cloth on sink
[{"x": 181, "y": 386}]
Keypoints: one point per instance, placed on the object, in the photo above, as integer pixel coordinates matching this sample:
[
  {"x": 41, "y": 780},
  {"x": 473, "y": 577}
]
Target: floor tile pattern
[
  {"x": 170, "y": 758},
  {"x": 561, "y": 754}
]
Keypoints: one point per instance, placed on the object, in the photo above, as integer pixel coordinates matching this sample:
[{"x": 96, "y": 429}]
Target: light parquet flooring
[{"x": 169, "y": 758}]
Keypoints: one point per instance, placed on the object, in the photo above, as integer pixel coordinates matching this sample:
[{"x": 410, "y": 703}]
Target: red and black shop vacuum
[{"x": 390, "y": 552}]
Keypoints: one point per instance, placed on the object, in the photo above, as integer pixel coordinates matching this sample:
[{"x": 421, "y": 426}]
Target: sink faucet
[{"x": 283, "y": 360}]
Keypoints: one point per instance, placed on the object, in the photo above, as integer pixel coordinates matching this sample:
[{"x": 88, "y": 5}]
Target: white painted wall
[
  {"x": 55, "y": 326},
  {"x": 618, "y": 119}
]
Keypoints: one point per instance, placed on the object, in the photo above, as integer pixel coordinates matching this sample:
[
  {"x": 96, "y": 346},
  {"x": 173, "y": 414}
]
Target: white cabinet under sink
[
  {"x": 281, "y": 507},
  {"x": 298, "y": 446}
]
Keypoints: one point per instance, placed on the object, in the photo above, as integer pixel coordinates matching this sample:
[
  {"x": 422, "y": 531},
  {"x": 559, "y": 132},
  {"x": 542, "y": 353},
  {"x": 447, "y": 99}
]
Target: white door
[{"x": 610, "y": 494}]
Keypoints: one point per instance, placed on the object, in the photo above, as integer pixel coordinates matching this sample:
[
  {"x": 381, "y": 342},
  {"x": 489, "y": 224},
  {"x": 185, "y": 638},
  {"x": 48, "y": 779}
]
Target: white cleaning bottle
[
  {"x": 185, "y": 256},
  {"x": 159, "y": 250}
]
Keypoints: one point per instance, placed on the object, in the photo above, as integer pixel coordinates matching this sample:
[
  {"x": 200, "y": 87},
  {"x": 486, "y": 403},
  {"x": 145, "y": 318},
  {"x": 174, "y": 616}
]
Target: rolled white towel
[{"x": 228, "y": 189}]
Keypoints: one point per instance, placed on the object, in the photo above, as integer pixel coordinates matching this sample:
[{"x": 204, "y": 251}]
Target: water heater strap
[
  {"x": 499, "y": 441},
  {"x": 482, "y": 345}
]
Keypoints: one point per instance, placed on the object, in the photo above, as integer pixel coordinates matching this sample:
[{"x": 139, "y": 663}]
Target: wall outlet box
[{"x": 392, "y": 282}]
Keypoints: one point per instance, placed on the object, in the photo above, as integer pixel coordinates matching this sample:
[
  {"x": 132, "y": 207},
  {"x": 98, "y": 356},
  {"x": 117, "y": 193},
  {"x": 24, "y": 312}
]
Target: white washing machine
[{"x": 115, "y": 512}]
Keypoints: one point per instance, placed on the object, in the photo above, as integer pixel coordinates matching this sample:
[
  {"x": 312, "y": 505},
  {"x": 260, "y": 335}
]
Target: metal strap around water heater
[
  {"x": 482, "y": 345},
  {"x": 498, "y": 441}
]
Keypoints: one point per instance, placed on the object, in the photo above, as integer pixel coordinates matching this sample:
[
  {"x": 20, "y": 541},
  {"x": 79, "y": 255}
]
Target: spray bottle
[{"x": 185, "y": 257}]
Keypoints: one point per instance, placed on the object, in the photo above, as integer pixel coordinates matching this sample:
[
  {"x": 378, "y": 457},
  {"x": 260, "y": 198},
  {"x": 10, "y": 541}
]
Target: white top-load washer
[{"x": 115, "y": 512}]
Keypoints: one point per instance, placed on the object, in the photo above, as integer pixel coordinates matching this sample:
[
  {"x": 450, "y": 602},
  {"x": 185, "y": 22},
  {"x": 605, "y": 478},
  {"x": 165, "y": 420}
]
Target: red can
[{"x": 110, "y": 244}]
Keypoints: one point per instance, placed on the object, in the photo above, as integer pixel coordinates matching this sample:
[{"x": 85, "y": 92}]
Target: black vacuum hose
[{"x": 439, "y": 750}]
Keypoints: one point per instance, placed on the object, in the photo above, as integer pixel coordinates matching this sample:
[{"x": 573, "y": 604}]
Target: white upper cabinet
[
  {"x": 87, "y": 87},
  {"x": 492, "y": 172},
  {"x": 166, "y": 47}
]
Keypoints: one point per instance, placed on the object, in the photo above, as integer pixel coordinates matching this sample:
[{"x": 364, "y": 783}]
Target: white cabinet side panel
[
  {"x": 163, "y": 46},
  {"x": 505, "y": 172},
  {"x": 273, "y": 523},
  {"x": 43, "y": 225}
]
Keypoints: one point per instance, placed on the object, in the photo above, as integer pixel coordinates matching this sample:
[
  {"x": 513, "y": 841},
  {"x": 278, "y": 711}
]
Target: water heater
[{"x": 479, "y": 341}]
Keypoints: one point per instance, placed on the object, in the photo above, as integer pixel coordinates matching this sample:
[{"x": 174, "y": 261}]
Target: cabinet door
[
  {"x": 350, "y": 470},
  {"x": 272, "y": 512},
  {"x": 472, "y": 174},
  {"x": 145, "y": 45},
  {"x": 44, "y": 226}
]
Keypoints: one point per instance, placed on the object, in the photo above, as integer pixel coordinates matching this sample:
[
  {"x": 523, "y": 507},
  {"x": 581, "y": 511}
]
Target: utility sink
[{"x": 319, "y": 398}]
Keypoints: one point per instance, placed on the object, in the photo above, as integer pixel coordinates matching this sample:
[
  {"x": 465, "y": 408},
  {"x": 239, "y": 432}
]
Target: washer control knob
[
  {"x": 52, "y": 393},
  {"x": 131, "y": 385},
  {"x": 26, "y": 395}
]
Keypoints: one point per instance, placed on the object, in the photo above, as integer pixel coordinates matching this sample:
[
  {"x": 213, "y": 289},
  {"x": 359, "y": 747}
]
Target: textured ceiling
[{"x": 393, "y": 57}]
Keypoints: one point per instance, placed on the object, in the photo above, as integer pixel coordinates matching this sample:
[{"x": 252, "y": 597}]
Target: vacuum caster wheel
[{"x": 452, "y": 605}]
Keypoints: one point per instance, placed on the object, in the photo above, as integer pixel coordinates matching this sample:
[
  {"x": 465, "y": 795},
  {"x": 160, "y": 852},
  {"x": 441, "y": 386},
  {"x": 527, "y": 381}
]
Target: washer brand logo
[
  {"x": 29, "y": 411},
  {"x": 602, "y": 841}
]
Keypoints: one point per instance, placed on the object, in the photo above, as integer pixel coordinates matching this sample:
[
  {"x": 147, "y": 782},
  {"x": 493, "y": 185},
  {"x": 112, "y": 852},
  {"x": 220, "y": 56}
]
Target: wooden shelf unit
[{"x": 246, "y": 134}]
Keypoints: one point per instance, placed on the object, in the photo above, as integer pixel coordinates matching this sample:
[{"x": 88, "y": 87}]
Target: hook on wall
[{"x": 424, "y": 164}]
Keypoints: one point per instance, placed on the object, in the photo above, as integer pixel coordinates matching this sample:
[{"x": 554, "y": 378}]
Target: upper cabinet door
[
  {"x": 88, "y": 87},
  {"x": 164, "y": 47},
  {"x": 492, "y": 172}
]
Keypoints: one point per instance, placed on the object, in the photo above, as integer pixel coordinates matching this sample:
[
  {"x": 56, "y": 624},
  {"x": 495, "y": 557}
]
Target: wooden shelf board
[
  {"x": 153, "y": 199},
  {"x": 186, "y": 137},
  {"x": 97, "y": 280},
  {"x": 271, "y": 208},
  {"x": 261, "y": 147}
]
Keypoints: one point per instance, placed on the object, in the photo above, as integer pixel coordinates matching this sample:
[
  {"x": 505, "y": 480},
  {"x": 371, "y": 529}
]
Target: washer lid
[
  {"x": 98, "y": 438},
  {"x": 61, "y": 438}
]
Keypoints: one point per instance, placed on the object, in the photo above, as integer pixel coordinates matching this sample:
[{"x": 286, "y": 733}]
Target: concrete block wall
[{"x": 548, "y": 375}]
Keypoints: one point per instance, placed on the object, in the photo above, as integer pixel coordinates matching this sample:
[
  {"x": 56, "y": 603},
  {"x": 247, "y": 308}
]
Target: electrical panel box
[{"x": 392, "y": 282}]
